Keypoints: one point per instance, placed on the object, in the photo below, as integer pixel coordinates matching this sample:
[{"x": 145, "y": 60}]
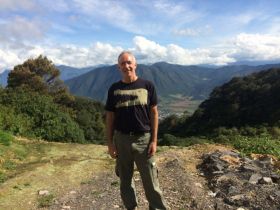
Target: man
[{"x": 131, "y": 126}]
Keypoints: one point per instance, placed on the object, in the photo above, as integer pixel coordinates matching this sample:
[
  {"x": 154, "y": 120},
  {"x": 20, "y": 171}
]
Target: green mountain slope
[
  {"x": 193, "y": 81},
  {"x": 250, "y": 100}
]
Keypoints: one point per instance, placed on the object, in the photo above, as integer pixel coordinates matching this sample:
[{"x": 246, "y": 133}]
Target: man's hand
[
  {"x": 152, "y": 148},
  {"x": 112, "y": 151}
]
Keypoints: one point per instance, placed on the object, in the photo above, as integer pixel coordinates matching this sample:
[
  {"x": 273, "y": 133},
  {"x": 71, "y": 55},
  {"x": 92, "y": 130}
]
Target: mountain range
[
  {"x": 193, "y": 81},
  {"x": 66, "y": 72}
]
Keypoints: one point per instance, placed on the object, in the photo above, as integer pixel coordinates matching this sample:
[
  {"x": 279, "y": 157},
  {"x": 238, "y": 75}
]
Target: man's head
[{"x": 127, "y": 66}]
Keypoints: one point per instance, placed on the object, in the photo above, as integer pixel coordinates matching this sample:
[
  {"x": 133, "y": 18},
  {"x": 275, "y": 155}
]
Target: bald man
[{"x": 131, "y": 127}]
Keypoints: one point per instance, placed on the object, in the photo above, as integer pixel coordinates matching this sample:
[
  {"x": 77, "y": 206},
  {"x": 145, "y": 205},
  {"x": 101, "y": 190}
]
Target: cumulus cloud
[
  {"x": 149, "y": 52},
  {"x": 242, "y": 47},
  {"x": 256, "y": 47}
]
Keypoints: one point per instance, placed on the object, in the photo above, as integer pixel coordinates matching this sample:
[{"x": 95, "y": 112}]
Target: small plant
[
  {"x": 9, "y": 165},
  {"x": 3, "y": 177},
  {"x": 5, "y": 138},
  {"x": 45, "y": 200}
]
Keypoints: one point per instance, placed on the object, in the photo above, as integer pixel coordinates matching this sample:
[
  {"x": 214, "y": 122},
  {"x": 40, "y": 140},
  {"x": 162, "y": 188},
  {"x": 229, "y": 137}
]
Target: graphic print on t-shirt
[{"x": 131, "y": 97}]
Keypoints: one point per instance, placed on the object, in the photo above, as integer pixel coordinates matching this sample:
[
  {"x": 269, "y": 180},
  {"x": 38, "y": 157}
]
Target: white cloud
[
  {"x": 8, "y": 59},
  {"x": 115, "y": 13},
  {"x": 193, "y": 31},
  {"x": 19, "y": 28},
  {"x": 186, "y": 32},
  {"x": 58, "y": 6},
  {"x": 242, "y": 47},
  {"x": 148, "y": 51},
  {"x": 16, "y": 4},
  {"x": 256, "y": 47}
]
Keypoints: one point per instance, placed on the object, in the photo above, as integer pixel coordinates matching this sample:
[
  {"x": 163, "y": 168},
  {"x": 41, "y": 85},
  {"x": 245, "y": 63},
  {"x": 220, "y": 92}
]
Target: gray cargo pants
[{"x": 130, "y": 149}]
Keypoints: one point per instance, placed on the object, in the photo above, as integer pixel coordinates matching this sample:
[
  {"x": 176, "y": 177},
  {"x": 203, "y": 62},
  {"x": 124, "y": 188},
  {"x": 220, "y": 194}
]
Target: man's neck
[{"x": 129, "y": 79}]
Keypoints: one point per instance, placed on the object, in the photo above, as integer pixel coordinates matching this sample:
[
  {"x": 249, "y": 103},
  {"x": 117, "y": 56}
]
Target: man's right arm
[{"x": 110, "y": 117}]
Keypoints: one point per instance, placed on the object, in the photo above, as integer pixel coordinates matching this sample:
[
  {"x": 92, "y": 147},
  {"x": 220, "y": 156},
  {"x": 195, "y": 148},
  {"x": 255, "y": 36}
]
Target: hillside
[
  {"x": 75, "y": 176},
  {"x": 68, "y": 72},
  {"x": 193, "y": 81},
  {"x": 244, "y": 101}
]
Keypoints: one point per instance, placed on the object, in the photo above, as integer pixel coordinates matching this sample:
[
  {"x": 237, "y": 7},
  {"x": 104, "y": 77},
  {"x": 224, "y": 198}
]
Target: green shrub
[
  {"x": 45, "y": 118},
  {"x": 9, "y": 165},
  {"x": 170, "y": 140},
  {"x": 89, "y": 116},
  {"x": 45, "y": 200},
  {"x": 5, "y": 138},
  {"x": 259, "y": 145},
  {"x": 15, "y": 123},
  {"x": 3, "y": 177}
]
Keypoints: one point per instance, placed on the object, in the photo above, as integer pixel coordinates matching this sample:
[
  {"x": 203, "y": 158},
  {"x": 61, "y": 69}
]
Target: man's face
[{"x": 127, "y": 66}]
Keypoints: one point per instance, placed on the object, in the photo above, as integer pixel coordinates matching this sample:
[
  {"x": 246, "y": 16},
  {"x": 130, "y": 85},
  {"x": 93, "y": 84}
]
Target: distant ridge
[
  {"x": 66, "y": 72},
  {"x": 193, "y": 81}
]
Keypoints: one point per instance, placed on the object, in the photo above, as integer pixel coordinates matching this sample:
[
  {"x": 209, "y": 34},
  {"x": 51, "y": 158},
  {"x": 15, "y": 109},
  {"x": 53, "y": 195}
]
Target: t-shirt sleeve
[
  {"x": 153, "y": 95},
  {"x": 110, "y": 101}
]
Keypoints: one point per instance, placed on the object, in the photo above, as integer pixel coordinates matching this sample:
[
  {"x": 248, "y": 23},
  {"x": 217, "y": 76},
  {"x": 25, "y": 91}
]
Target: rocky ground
[{"x": 199, "y": 177}]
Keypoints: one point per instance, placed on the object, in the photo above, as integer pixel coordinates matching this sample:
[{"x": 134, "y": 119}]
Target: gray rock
[
  {"x": 254, "y": 179},
  {"x": 277, "y": 193},
  {"x": 266, "y": 180}
]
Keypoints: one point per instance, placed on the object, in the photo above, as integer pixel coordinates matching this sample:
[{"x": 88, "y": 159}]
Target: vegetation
[
  {"x": 89, "y": 116},
  {"x": 243, "y": 112},
  {"x": 36, "y": 103},
  {"x": 28, "y": 166},
  {"x": 5, "y": 138},
  {"x": 249, "y": 101},
  {"x": 45, "y": 200}
]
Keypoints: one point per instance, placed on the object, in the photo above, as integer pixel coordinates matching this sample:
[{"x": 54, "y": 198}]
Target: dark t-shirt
[{"x": 131, "y": 103}]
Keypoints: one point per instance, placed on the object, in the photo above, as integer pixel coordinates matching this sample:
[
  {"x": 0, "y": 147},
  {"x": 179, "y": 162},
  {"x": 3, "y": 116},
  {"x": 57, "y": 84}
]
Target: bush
[
  {"x": 40, "y": 115},
  {"x": 89, "y": 116},
  {"x": 260, "y": 145},
  {"x": 17, "y": 124},
  {"x": 3, "y": 177},
  {"x": 5, "y": 138},
  {"x": 45, "y": 200},
  {"x": 170, "y": 140}
]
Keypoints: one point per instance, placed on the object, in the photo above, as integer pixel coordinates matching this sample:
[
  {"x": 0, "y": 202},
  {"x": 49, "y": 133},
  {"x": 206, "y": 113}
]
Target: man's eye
[{"x": 126, "y": 62}]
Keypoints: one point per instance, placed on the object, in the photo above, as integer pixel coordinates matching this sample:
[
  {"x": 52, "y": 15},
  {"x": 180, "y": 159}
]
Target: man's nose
[{"x": 126, "y": 64}]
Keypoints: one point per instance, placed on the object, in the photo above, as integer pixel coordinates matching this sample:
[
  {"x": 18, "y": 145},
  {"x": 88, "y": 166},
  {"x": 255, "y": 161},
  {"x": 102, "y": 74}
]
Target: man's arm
[
  {"x": 154, "y": 131},
  {"x": 110, "y": 117}
]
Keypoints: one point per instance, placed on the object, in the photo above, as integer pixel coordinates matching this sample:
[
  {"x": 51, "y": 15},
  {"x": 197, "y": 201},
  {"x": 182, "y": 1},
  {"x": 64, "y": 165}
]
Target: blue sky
[{"x": 83, "y": 33}]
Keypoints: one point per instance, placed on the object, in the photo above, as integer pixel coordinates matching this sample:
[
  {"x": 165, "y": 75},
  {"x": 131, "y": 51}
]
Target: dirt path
[{"x": 181, "y": 183}]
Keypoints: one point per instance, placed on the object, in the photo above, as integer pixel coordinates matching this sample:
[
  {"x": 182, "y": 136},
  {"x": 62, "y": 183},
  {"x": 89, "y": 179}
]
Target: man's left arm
[{"x": 154, "y": 131}]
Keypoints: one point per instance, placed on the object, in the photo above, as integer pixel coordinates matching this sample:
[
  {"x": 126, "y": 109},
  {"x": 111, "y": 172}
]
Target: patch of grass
[
  {"x": 87, "y": 182},
  {"x": 45, "y": 200},
  {"x": 3, "y": 177},
  {"x": 9, "y": 165},
  {"x": 259, "y": 145},
  {"x": 5, "y": 138}
]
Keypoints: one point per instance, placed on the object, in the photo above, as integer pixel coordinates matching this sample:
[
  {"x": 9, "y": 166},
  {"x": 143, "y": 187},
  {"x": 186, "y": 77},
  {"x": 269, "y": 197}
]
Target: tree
[{"x": 40, "y": 75}]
